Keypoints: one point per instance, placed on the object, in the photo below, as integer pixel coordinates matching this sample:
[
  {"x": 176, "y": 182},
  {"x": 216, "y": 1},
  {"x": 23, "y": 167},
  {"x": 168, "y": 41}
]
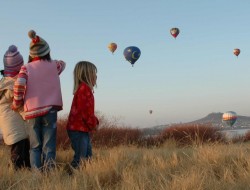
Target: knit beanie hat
[
  {"x": 38, "y": 46},
  {"x": 13, "y": 60}
]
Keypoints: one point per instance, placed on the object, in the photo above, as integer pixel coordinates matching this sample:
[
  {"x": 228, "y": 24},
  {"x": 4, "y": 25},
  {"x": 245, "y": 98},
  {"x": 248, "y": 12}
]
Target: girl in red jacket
[{"x": 82, "y": 119}]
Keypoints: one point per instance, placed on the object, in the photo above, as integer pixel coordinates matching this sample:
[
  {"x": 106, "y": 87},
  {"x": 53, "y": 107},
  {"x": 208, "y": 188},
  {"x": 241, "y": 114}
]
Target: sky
[{"x": 181, "y": 79}]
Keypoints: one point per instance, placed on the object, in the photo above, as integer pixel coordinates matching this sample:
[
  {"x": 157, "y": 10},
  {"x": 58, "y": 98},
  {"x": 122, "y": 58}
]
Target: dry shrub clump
[
  {"x": 151, "y": 141},
  {"x": 247, "y": 136},
  {"x": 109, "y": 133},
  {"x": 188, "y": 134},
  {"x": 115, "y": 136},
  {"x": 62, "y": 139}
]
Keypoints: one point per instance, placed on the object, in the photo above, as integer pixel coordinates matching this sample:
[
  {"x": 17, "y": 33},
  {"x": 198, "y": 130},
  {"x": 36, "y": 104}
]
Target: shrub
[
  {"x": 109, "y": 133},
  {"x": 187, "y": 134},
  {"x": 62, "y": 139},
  {"x": 247, "y": 137},
  {"x": 151, "y": 141},
  {"x": 115, "y": 136}
]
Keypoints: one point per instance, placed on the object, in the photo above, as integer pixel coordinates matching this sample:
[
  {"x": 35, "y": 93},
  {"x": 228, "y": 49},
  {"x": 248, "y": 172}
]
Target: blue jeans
[
  {"x": 81, "y": 144},
  {"x": 42, "y": 134}
]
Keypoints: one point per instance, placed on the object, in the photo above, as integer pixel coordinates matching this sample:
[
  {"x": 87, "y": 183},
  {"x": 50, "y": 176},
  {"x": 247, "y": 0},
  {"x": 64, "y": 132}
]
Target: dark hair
[
  {"x": 46, "y": 57},
  {"x": 2, "y": 72}
]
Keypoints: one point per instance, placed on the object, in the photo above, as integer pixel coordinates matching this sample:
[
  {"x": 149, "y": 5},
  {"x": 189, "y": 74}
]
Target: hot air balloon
[
  {"x": 236, "y": 52},
  {"x": 132, "y": 54},
  {"x": 112, "y": 47},
  {"x": 229, "y": 118},
  {"x": 150, "y": 111},
  {"x": 174, "y": 32}
]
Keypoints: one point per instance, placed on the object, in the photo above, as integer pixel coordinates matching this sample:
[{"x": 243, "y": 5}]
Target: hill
[{"x": 213, "y": 118}]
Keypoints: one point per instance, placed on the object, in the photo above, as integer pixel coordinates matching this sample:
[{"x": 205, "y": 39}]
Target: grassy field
[
  {"x": 209, "y": 166},
  {"x": 182, "y": 157}
]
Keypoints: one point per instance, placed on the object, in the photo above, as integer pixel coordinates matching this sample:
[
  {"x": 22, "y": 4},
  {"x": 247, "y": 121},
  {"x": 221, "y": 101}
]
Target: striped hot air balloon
[{"x": 229, "y": 118}]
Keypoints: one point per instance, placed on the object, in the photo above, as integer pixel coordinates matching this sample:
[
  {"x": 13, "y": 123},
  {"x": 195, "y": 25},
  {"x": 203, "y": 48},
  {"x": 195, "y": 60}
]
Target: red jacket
[{"x": 82, "y": 114}]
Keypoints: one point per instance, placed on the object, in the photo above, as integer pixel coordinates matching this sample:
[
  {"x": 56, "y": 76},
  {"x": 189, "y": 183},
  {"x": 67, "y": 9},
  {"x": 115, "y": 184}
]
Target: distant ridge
[{"x": 216, "y": 120}]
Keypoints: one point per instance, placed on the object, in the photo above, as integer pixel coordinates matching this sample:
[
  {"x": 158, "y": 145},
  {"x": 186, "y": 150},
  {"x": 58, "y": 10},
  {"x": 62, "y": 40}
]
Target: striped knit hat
[
  {"x": 38, "y": 46},
  {"x": 13, "y": 60}
]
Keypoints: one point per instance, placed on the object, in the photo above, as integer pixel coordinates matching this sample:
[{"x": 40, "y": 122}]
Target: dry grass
[
  {"x": 183, "y": 157},
  {"x": 207, "y": 166}
]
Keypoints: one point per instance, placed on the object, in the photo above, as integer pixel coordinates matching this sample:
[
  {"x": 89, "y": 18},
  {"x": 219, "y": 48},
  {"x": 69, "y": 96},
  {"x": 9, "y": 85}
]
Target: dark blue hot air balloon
[{"x": 132, "y": 54}]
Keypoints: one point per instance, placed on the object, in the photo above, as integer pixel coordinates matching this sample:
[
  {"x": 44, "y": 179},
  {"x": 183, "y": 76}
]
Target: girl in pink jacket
[{"x": 38, "y": 90}]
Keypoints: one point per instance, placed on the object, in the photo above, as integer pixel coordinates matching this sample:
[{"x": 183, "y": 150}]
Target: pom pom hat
[
  {"x": 13, "y": 60},
  {"x": 38, "y": 46}
]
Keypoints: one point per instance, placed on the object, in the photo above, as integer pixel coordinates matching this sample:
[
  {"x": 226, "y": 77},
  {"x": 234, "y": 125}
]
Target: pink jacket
[{"x": 43, "y": 85}]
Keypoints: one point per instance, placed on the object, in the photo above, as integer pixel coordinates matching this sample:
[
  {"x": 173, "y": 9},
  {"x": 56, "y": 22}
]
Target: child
[
  {"x": 82, "y": 119},
  {"x": 37, "y": 88},
  {"x": 11, "y": 123}
]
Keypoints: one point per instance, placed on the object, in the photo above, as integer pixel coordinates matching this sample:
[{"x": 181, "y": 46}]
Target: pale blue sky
[{"x": 180, "y": 79}]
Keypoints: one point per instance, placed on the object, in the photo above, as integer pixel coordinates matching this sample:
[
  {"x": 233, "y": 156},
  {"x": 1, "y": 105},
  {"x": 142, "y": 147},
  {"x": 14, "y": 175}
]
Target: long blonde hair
[{"x": 84, "y": 72}]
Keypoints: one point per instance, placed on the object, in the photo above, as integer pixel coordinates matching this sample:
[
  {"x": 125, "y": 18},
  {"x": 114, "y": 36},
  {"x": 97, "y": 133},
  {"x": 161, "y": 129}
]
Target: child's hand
[
  {"x": 97, "y": 121},
  {"x": 96, "y": 127},
  {"x": 18, "y": 109},
  {"x": 13, "y": 107}
]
